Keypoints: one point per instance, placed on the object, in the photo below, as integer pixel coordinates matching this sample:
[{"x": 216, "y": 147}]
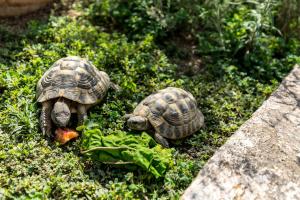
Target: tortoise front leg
[
  {"x": 115, "y": 87},
  {"x": 161, "y": 140},
  {"x": 81, "y": 113},
  {"x": 45, "y": 118}
]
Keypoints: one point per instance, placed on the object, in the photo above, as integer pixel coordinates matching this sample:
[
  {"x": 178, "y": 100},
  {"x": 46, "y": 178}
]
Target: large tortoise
[
  {"x": 172, "y": 113},
  {"x": 71, "y": 85}
]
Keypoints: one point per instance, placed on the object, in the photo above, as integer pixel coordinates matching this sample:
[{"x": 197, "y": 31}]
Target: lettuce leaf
[{"x": 123, "y": 148}]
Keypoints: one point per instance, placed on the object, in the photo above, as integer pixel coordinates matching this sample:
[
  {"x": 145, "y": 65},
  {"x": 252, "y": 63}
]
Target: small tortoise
[
  {"x": 171, "y": 112},
  {"x": 71, "y": 85}
]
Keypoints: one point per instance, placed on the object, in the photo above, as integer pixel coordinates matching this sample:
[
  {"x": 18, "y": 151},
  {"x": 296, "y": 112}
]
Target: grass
[{"x": 34, "y": 167}]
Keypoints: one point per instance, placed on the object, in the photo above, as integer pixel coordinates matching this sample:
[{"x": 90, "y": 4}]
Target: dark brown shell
[
  {"x": 172, "y": 112},
  {"x": 73, "y": 78}
]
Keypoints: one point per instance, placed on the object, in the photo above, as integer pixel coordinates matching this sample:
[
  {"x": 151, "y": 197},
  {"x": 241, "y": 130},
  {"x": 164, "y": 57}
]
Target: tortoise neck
[{"x": 64, "y": 100}]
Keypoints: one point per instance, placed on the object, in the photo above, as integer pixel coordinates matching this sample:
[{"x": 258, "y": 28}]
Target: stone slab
[
  {"x": 10, "y": 8},
  {"x": 262, "y": 158}
]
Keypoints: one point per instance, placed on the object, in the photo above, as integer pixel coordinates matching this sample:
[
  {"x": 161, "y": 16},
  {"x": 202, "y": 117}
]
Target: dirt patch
[{"x": 182, "y": 50}]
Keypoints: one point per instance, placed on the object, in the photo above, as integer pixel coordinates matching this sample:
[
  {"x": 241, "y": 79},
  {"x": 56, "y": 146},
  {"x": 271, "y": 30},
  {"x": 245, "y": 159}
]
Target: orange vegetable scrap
[{"x": 63, "y": 135}]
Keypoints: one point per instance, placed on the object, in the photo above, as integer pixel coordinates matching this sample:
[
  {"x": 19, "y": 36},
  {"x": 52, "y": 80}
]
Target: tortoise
[
  {"x": 170, "y": 113},
  {"x": 71, "y": 85}
]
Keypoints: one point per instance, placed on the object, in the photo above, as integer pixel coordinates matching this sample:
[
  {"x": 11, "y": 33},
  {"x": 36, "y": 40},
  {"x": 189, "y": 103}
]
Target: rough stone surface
[
  {"x": 262, "y": 159},
  {"x": 19, "y": 7}
]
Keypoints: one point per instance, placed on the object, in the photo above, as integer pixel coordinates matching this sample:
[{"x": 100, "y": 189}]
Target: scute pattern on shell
[
  {"x": 172, "y": 112},
  {"x": 73, "y": 78}
]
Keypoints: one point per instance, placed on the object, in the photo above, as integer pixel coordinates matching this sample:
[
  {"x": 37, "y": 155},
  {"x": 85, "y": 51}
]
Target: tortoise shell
[
  {"x": 73, "y": 78},
  {"x": 172, "y": 112}
]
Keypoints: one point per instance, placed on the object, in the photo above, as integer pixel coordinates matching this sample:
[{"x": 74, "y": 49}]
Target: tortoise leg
[
  {"x": 82, "y": 115},
  {"x": 45, "y": 118},
  {"x": 161, "y": 140},
  {"x": 115, "y": 87},
  {"x": 127, "y": 116}
]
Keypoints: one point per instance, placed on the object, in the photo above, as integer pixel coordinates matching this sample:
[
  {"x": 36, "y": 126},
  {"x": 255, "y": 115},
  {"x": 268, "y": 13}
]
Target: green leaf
[{"x": 123, "y": 148}]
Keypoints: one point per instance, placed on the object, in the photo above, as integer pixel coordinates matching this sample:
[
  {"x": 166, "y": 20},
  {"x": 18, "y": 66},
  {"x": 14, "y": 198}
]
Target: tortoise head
[
  {"x": 61, "y": 114},
  {"x": 137, "y": 122}
]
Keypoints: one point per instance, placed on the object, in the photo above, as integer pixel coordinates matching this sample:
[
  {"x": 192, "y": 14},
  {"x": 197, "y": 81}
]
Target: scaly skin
[
  {"x": 161, "y": 140},
  {"x": 45, "y": 118},
  {"x": 81, "y": 113}
]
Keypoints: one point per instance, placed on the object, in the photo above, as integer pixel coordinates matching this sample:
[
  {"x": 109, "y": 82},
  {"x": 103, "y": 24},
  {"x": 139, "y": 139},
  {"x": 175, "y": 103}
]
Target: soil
[{"x": 184, "y": 54}]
